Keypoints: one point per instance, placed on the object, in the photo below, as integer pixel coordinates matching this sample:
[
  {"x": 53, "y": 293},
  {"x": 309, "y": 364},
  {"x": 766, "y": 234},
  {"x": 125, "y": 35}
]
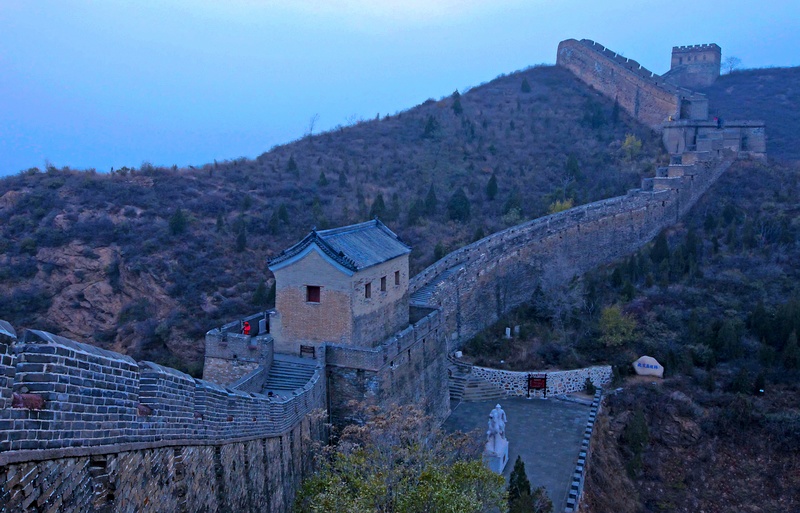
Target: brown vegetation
[{"x": 145, "y": 261}]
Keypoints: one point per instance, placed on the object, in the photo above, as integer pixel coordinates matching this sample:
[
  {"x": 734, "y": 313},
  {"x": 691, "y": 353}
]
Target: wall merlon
[{"x": 95, "y": 397}]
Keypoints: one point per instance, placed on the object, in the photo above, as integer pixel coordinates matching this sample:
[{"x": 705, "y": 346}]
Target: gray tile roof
[{"x": 355, "y": 247}]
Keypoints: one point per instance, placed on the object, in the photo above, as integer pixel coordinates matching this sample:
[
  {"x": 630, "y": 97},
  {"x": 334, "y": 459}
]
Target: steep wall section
[
  {"x": 410, "y": 367},
  {"x": 643, "y": 94},
  {"x": 477, "y": 284},
  {"x": 92, "y": 430}
]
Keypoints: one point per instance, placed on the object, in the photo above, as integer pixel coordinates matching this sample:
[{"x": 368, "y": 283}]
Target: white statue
[
  {"x": 500, "y": 419},
  {"x": 495, "y": 454}
]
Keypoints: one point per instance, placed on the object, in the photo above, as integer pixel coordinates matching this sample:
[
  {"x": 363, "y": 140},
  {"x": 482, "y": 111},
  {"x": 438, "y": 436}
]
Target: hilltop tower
[{"x": 694, "y": 65}]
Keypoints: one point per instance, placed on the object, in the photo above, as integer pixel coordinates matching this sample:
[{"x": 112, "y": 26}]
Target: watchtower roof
[{"x": 354, "y": 247}]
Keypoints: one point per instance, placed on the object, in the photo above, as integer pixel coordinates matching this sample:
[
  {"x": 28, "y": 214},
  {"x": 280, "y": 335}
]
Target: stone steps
[
  {"x": 480, "y": 390},
  {"x": 288, "y": 375},
  {"x": 457, "y": 386},
  {"x": 424, "y": 295}
]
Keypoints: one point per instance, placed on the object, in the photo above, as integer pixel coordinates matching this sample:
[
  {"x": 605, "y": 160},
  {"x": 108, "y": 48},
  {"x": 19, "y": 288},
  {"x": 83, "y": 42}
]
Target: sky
[{"x": 112, "y": 83}]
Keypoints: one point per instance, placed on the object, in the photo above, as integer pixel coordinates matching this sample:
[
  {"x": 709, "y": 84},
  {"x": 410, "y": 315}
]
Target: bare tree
[
  {"x": 312, "y": 123},
  {"x": 731, "y": 63}
]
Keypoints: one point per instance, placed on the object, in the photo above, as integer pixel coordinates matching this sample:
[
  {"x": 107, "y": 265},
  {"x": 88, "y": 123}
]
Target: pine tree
[
  {"x": 431, "y": 201},
  {"x": 178, "y": 222},
  {"x": 378, "y": 208},
  {"x": 660, "y": 249},
  {"x": 241, "y": 240},
  {"x": 518, "y": 483},
  {"x": 283, "y": 214},
  {"x": 525, "y": 87},
  {"x": 323, "y": 180},
  {"x": 572, "y": 167},
  {"x": 458, "y": 207},
  {"x": 291, "y": 166},
  {"x": 457, "y": 108},
  {"x": 491, "y": 188},
  {"x": 220, "y": 223},
  {"x": 431, "y": 127}
]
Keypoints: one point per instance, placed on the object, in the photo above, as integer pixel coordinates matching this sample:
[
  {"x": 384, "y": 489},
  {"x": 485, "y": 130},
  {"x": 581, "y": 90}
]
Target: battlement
[
  {"x": 230, "y": 354},
  {"x": 75, "y": 397},
  {"x": 694, "y": 65},
  {"x": 693, "y": 48},
  {"x": 643, "y": 94},
  {"x": 476, "y": 284}
]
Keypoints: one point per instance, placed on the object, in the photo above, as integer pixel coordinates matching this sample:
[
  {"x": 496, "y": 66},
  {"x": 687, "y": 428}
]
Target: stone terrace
[{"x": 546, "y": 433}]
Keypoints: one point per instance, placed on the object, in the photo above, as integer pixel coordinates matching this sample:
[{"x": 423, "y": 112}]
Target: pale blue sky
[{"x": 115, "y": 83}]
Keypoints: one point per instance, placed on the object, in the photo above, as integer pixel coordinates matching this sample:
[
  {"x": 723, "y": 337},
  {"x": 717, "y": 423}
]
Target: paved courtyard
[{"x": 547, "y": 433}]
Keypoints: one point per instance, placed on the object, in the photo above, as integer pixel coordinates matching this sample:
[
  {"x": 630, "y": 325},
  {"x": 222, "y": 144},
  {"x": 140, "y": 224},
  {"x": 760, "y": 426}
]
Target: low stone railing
[{"x": 515, "y": 383}]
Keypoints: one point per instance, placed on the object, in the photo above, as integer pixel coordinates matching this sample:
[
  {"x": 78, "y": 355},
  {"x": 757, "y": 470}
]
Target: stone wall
[
  {"x": 260, "y": 474},
  {"x": 230, "y": 355},
  {"x": 712, "y": 137},
  {"x": 575, "y": 493},
  {"x": 94, "y": 430},
  {"x": 643, "y": 94},
  {"x": 409, "y": 367},
  {"x": 477, "y": 284},
  {"x": 7, "y": 363},
  {"x": 515, "y": 383}
]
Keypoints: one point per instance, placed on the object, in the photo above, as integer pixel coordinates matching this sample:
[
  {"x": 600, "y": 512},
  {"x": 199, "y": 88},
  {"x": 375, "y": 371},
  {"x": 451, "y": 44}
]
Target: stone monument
[
  {"x": 648, "y": 366},
  {"x": 495, "y": 455}
]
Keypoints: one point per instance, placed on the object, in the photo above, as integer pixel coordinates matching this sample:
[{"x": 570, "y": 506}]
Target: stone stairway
[
  {"x": 288, "y": 373},
  {"x": 458, "y": 373},
  {"x": 423, "y": 296},
  {"x": 478, "y": 389},
  {"x": 464, "y": 386}
]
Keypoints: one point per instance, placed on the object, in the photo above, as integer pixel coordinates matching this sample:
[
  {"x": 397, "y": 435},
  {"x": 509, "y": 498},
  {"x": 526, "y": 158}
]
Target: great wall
[{"x": 84, "y": 429}]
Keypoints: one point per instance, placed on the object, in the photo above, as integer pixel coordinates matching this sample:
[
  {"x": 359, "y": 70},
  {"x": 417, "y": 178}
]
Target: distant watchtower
[{"x": 695, "y": 65}]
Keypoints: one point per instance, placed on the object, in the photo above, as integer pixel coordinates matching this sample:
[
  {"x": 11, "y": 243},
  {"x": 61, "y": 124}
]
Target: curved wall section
[{"x": 479, "y": 283}]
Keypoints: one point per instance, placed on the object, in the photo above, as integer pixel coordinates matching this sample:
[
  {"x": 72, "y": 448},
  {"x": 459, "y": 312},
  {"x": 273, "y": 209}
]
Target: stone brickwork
[
  {"x": 356, "y": 307},
  {"x": 410, "y": 367},
  {"x": 7, "y": 363},
  {"x": 711, "y": 138},
  {"x": 106, "y": 433},
  {"x": 643, "y": 94},
  {"x": 694, "y": 65},
  {"x": 575, "y": 493},
  {"x": 261, "y": 474},
  {"x": 231, "y": 355},
  {"x": 477, "y": 284},
  {"x": 515, "y": 383}
]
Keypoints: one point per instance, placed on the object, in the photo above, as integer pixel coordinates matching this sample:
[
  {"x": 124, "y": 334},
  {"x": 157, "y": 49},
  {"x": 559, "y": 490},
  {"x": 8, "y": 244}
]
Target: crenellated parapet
[
  {"x": 641, "y": 93},
  {"x": 73, "y": 398},
  {"x": 476, "y": 285}
]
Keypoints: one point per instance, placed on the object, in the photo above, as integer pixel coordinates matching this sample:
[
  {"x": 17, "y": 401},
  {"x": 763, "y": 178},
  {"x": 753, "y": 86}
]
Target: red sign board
[{"x": 537, "y": 381}]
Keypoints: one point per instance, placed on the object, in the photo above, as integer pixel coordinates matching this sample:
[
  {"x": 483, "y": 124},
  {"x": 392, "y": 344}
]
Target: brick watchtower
[
  {"x": 695, "y": 65},
  {"x": 345, "y": 286}
]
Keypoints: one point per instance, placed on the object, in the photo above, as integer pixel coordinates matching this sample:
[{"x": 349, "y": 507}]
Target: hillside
[
  {"x": 145, "y": 261},
  {"x": 769, "y": 94},
  {"x": 724, "y": 321},
  {"x": 715, "y": 300}
]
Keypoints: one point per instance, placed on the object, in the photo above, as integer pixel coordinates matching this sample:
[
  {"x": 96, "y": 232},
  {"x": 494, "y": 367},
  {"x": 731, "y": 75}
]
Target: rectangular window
[
  {"x": 312, "y": 294},
  {"x": 383, "y": 283},
  {"x": 368, "y": 290},
  {"x": 397, "y": 277}
]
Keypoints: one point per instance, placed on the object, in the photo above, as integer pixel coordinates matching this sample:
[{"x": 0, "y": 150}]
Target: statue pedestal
[{"x": 495, "y": 455}]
